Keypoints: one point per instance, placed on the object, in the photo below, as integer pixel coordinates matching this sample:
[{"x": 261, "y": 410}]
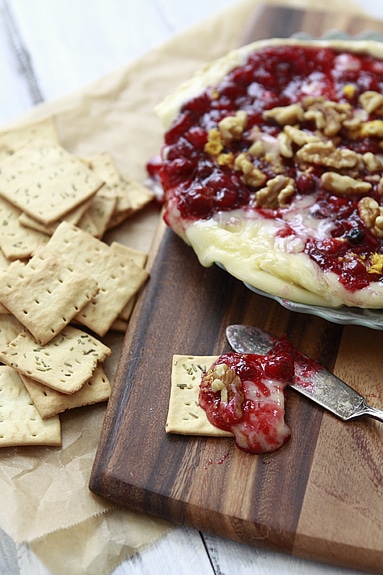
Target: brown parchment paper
[{"x": 45, "y": 499}]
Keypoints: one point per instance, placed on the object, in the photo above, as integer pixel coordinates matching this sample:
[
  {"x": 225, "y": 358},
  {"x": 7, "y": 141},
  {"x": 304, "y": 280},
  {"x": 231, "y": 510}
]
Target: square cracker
[
  {"x": 10, "y": 327},
  {"x": 118, "y": 277},
  {"x": 96, "y": 218},
  {"x": 16, "y": 241},
  {"x": 140, "y": 259},
  {"x": 46, "y": 182},
  {"x": 20, "y": 422},
  {"x": 4, "y": 264},
  {"x": 130, "y": 196},
  {"x": 46, "y": 293},
  {"x": 73, "y": 217},
  {"x": 185, "y": 416},
  {"x": 50, "y": 402},
  {"x": 43, "y": 130},
  {"x": 64, "y": 364}
]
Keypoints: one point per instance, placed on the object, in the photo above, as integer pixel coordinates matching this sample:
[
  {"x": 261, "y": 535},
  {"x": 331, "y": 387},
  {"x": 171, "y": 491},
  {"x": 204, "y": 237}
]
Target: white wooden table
[{"x": 104, "y": 35}]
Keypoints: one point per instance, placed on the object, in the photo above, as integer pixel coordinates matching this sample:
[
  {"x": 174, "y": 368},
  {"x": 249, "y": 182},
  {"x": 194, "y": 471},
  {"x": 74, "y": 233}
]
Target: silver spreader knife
[{"x": 324, "y": 388}]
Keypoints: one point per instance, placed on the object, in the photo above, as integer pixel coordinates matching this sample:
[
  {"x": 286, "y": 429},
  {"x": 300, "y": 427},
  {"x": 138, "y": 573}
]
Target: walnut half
[
  {"x": 339, "y": 185},
  {"x": 372, "y": 215},
  {"x": 276, "y": 192}
]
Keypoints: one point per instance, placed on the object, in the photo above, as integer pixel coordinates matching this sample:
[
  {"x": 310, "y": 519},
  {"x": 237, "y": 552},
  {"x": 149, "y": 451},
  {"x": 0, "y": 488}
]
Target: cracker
[
  {"x": 120, "y": 325},
  {"x": 17, "y": 242},
  {"x": 72, "y": 217},
  {"x": 96, "y": 218},
  {"x": 4, "y": 264},
  {"x": 64, "y": 364},
  {"x": 46, "y": 182},
  {"x": 10, "y": 328},
  {"x": 50, "y": 402},
  {"x": 139, "y": 258},
  {"x": 126, "y": 312},
  {"x": 118, "y": 277},
  {"x": 185, "y": 416},
  {"x": 46, "y": 293},
  {"x": 130, "y": 196},
  {"x": 20, "y": 422},
  {"x": 12, "y": 139}
]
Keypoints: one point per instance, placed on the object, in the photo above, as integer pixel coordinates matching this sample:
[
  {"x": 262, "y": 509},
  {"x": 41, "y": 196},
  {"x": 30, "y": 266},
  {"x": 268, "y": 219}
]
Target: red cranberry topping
[{"x": 200, "y": 185}]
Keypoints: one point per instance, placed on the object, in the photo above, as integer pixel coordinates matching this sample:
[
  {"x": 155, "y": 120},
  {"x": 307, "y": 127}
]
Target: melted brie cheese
[{"x": 250, "y": 249}]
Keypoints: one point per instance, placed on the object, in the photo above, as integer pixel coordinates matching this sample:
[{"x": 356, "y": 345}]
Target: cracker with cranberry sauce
[
  {"x": 277, "y": 176},
  {"x": 185, "y": 416},
  {"x": 46, "y": 181},
  {"x": 238, "y": 394},
  {"x": 117, "y": 276},
  {"x": 66, "y": 363},
  {"x": 20, "y": 421},
  {"x": 46, "y": 293},
  {"x": 50, "y": 402}
]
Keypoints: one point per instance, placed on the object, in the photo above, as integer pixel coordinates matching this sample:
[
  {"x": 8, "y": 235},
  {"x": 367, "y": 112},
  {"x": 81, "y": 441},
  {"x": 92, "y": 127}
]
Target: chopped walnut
[
  {"x": 372, "y": 162},
  {"x": 276, "y": 192},
  {"x": 214, "y": 144},
  {"x": 372, "y": 215},
  {"x": 339, "y": 185},
  {"x": 252, "y": 176},
  {"x": 326, "y": 154},
  {"x": 354, "y": 123},
  {"x": 223, "y": 379},
  {"x": 285, "y": 145},
  {"x": 226, "y": 159},
  {"x": 231, "y": 127},
  {"x": 371, "y": 101},
  {"x": 372, "y": 128},
  {"x": 300, "y": 137},
  {"x": 376, "y": 264},
  {"x": 285, "y": 114},
  {"x": 257, "y": 149},
  {"x": 327, "y": 115}
]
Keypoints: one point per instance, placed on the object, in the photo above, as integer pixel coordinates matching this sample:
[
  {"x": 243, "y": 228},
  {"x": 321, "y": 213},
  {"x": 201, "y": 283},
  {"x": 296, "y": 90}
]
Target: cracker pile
[{"x": 62, "y": 287}]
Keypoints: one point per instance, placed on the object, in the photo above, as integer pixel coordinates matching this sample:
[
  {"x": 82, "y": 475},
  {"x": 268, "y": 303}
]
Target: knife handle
[{"x": 368, "y": 410}]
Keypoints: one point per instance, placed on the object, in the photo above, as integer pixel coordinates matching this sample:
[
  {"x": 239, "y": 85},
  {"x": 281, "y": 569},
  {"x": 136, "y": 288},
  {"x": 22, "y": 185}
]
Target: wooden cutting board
[{"x": 321, "y": 495}]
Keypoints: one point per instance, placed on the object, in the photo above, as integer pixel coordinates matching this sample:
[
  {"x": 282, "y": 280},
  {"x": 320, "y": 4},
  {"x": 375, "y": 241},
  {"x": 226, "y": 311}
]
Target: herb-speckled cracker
[
  {"x": 20, "y": 422},
  {"x": 16, "y": 241},
  {"x": 46, "y": 293},
  {"x": 130, "y": 196},
  {"x": 118, "y": 277},
  {"x": 185, "y": 416},
  {"x": 12, "y": 139},
  {"x": 10, "y": 327},
  {"x": 50, "y": 402},
  {"x": 65, "y": 363},
  {"x": 46, "y": 181}
]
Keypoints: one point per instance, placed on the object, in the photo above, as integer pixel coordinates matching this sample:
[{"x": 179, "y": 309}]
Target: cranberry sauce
[{"x": 200, "y": 184}]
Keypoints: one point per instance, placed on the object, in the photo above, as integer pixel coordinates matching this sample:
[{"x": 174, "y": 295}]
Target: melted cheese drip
[{"x": 249, "y": 248}]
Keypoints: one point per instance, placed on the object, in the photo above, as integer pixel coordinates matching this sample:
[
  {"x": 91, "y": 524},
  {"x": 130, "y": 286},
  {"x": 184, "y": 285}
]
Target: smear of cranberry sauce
[{"x": 272, "y": 77}]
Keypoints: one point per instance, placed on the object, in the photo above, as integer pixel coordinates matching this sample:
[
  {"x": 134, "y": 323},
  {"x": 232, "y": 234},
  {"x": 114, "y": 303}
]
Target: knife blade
[{"x": 321, "y": 386}]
